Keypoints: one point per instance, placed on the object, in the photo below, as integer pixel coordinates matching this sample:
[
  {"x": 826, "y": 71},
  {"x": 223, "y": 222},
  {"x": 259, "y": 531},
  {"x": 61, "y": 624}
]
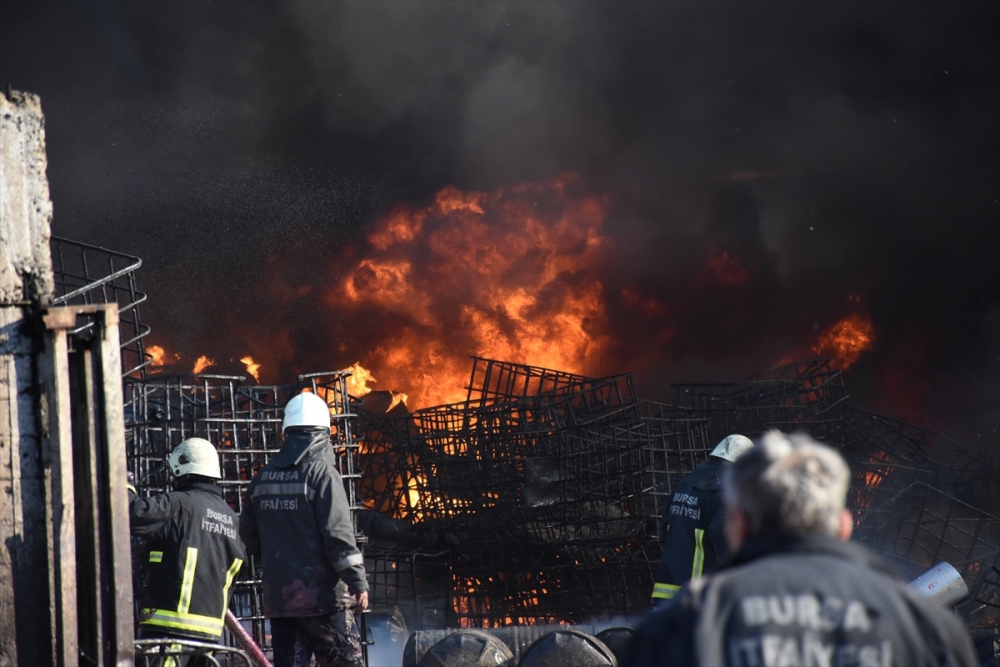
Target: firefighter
[
  {"x": 194, "y": 548},
  {"x": 796, "y": 592},
  {"x": 691, "y": 529},
  {"x": 296, "y": 517}
]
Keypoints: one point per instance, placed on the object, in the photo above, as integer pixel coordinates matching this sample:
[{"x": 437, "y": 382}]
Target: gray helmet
[{"x": 732, "y": 447}]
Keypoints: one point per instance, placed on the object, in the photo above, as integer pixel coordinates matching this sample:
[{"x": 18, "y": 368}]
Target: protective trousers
[{"x": 334, "y": 639}]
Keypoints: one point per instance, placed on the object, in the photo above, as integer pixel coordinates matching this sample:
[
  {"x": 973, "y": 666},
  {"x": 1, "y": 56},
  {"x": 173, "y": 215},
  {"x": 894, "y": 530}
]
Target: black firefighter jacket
[
  {"x": 296, "y": 516},
  {"x": 691, "y": 530},
  {"x": 194, "y": 554},
  {"x": 800, "y": 602}
]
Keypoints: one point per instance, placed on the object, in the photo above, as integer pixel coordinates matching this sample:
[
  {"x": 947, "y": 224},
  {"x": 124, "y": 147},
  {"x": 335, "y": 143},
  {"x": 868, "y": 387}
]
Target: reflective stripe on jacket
[
  {"x": 194, "y": 554},
  {"x": 297, "y": 517},
  {"x": 691, "y": 530}
]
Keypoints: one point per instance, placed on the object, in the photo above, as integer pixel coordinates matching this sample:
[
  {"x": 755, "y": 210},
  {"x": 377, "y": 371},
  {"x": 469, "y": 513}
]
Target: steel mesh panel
[
  {"x": 86, "y": 274},
  {"x": 796, "y": 392},
  {"x": 495, "y": 381}
]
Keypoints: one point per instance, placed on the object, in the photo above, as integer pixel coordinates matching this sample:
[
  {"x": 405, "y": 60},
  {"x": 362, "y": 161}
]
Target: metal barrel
[
  {"x": 518, "y": 639},
  {"x": 468, "y": 648},
  {"x": 568, "y": 648},
  {"x": 942, "y": 583}
]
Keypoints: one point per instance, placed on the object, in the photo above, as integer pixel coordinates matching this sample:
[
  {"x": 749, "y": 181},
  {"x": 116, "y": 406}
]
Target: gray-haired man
[{"x": 796, "y": 592}]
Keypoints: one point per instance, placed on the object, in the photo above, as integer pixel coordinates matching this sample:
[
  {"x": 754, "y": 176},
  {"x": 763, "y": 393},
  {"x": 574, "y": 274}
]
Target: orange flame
[
  {"x": 201, "y": 363},
  {"x": 357, "y": 383},
  {"x": 876, "y": 475},
  {"x": 253, "y": 368},
  {"x": 158, "y": 354},
  {"x": 510, "y": 274},
  {"x": 397, "y": 398},
  {"x": 846, "y": 340}
]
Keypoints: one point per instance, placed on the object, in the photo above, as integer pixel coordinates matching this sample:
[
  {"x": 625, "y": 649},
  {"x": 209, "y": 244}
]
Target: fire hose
[{"x": 245, "y": 641}]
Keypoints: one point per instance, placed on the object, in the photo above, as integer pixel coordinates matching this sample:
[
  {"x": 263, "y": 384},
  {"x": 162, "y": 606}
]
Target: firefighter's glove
[{"x": 360, "y": 602}]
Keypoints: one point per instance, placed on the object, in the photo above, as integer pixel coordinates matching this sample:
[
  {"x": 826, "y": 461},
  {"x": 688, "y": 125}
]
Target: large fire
[
  {"x": 510, "y": 274},
  {"x": 846, "y": 340}
]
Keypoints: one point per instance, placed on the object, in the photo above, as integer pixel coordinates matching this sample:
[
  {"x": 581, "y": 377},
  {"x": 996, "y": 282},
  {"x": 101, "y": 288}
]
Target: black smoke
[{"x": 848, "y": 153}]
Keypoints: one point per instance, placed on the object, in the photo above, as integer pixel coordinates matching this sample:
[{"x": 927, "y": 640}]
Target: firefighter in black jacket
[
  {"x": 796, "y": 593},
  {"x": 691, "y": 529},
  {"x": 297, "y": 518},
  {"x": 194, "y": 548}
]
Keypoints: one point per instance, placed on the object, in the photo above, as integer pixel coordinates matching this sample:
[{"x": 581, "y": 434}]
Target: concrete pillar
[{"x": 25, "y": 289}]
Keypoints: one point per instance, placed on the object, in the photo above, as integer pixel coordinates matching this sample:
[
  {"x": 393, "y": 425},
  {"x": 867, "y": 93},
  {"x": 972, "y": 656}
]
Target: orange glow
[
  {"x": 158, "y": 354},
  {"x": 202, "y": 363},
  {"x": 253, "y": 368},
  {"x": 728, "y": 270},
  {"x": 876, "y": 476},
  {"x": 510, "y": 274},
  {"x": 397, "y": 398},
  {"x": 846, "y": 340},
  {"x": 357, "y": 383}
]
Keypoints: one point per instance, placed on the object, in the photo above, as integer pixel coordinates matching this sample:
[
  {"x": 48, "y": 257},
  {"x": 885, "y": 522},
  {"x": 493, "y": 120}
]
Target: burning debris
[
  {"x": 545, "y": 487},
  {"x": 535, "y": 498},
  {"x": 201, "y": 363}
]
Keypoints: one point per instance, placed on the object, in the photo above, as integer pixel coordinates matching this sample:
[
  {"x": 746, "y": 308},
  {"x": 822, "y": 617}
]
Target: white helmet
[
  {"x": 195, "y": 456},
  {"x": 306, "y": 409},
  {"x": 732, "y": 447}
]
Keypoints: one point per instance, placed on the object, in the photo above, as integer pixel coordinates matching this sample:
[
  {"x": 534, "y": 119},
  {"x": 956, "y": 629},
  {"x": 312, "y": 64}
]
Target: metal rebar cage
[
  {"x": 546, "y": 488},
  {"x": 538, "y": 499},
  {"x": 86, "y": 274}
]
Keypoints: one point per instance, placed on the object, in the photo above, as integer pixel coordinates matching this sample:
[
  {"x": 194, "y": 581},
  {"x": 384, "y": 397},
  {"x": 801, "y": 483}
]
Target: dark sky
[{"x": 840, "y": 149}]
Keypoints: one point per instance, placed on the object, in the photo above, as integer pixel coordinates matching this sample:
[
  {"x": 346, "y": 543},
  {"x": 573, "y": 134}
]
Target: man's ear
[{"x": 846, "y": 525}]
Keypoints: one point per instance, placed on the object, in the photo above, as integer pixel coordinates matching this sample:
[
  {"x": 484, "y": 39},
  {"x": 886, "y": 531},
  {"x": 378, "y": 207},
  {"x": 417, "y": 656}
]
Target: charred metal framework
[
  {"x": 538, "y": 498},
  {"x": 86, "y": 275},
  {"x": 545, "y": 488}
]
